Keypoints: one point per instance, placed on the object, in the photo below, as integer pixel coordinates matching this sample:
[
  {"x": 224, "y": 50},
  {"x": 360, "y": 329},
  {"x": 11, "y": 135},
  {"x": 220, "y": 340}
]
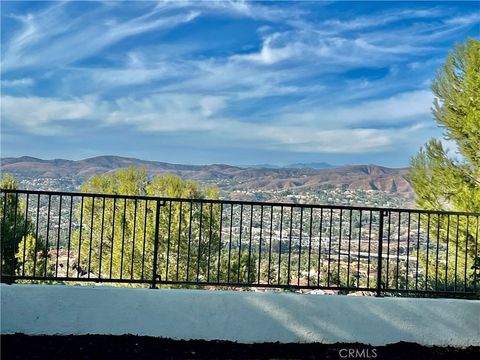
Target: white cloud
[
  {"x": 304, "y": 139},
  {"x": 464, "y": 20},
  {"x": 51, "y": 38},
  {"x": 400, "y": 107},
  {"x": 166, "y": 112},
  {"x": 161, "y": 113},
  {"x": 294, "y": 92},
  {"x": 364, "y": 22},
  {"x": 158, "y": 113},
  {"x": 23, "y": 82},
  {"x": 271, "y": 55},
  {"x": 329, "y": 49},
  {"x": 45, "y": 115}
]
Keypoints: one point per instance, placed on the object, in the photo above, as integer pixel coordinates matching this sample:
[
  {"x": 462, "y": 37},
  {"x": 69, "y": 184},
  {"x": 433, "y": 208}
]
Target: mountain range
[
  {"x": 312, "y": 165},
  {"x": 229, "y": 178}
]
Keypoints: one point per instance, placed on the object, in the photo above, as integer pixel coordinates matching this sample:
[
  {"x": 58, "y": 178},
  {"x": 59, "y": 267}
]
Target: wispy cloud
[
  {"x": 53, "y": 38},
  {"x": 318, "y": 131},
  {"x": 40, "y": 115},
  {"x": 22, "y": 82},
  {"x": 309, "y": 78},
  {"x": 389, "y": 112}
]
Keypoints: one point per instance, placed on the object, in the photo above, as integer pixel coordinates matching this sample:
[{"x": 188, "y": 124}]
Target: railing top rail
[{"x": 240, "y": 202}]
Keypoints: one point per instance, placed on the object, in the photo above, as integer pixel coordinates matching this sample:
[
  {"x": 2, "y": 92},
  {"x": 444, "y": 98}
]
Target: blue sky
[{"x": 225, "y": 82}]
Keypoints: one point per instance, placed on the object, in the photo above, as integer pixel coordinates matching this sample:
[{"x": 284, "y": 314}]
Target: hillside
[{"x": 228, "y": 178}]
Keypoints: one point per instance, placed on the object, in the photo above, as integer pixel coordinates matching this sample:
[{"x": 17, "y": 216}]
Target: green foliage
[
  {"x": 443, "y": 182},
  {"x": 118, "y": 236},
  {"x": 31, "y": 260},
  {"x": 15, "y": 225},
  {"x": 440, "y": 181},
  {"x": 18, "y": 242}
]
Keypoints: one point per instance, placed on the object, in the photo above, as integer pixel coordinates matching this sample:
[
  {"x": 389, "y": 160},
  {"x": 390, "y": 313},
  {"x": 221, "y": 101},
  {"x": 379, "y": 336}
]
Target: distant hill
[
  {"x": 320, "y": 165},
  {"x": 313, "y": 165},
  {"x": 366, "y": 177}
]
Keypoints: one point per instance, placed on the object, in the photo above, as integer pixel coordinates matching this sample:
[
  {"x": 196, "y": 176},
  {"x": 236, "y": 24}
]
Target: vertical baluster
[
  {"x": 408, "y": 249},
  {"x": 230, "y": 244},
  {"x": 2, "y": 243},
  {"x": 349, "y": 247},
  {"x": 300, "y": 247},
  {"x": 133, "y": 236},
  {"x": 290, "y": 245},
  {"x": 310, "y": 246},
  {"x": 418, "y": 250},
  {"x": 12, "y": 254},
  {"x": 446, "y": 252},
  {"x": 189, "y": 240},
  {"x": 113, "y": 236},
  {"x": 437, "y": 261},
  {"x": 359, "y": 248},
  {"x": 250, "y": 243},
  {"x": 144, "y": 238},
  {"x": 69, "y": 235},
  {"x": 240, "y": 245},
  {"x": 179, "y": 238},
  {"x": 91, "y": 239},
  {"x": 199, "y": 241},
  {"x": 428, "y": 246},
  {"x": 340, "y": 234},
  {"x": 456, "y": 251},
  {"x": 369, "y": 247},
  {"x": 330, "y": 247},
  {"x": 209, "y": 242},
  {"x": 380, "y": 253},
  {"x": 220, "y": 243},
  {"x": 45, "y": 253},
  {"x": 270, "y": 245},
  {"x": 124, "y": 225},
  {"x": 58, "y": 234},
  {"x": 280, "y": 246},
  {"x": 475, "y": 259},
  {"x": 398, "y": 250},
  {"x": 101, "y": 239},
  {"x": 169, "y": 231},
  {"x": 319, "y": 260},
  {"x": 466, "y": 254},
  {"x": 260, "y": 245},
  {"x": 25, "y": 231},
  {"x": 387, "y": 283},
  {"x": 156, "y": 245}
]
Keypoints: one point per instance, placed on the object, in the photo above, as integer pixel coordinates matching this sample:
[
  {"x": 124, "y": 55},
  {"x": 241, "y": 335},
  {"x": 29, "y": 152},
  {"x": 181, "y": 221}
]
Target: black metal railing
[{"x": 147, "y": 241}]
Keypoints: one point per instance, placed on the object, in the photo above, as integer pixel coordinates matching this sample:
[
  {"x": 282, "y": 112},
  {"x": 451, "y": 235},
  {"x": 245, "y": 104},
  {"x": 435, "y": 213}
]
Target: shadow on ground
[{"x": 20, "y": 346}]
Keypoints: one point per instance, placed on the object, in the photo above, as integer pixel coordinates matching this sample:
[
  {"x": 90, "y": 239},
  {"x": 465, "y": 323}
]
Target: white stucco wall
[{"x": 245, "y": 317}]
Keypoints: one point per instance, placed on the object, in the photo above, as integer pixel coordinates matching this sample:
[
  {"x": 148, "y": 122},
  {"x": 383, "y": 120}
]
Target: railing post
[
  {"x": 155, "y": 246},
  {"x": 383, "y": 213}
]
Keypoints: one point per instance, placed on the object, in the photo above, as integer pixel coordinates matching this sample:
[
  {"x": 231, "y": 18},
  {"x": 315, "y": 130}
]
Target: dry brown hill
[{"x": 367, "y": 177}]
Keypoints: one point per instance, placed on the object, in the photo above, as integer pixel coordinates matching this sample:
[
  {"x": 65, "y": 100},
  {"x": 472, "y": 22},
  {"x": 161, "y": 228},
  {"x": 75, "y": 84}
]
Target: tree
[
  {"x": 116, "y": 238},
  {"x": 21, "y": 252},
  {"x": 442, "y": 181},
  {"x": 30, "y": 258},
  {"x": 15, "y": 225}
]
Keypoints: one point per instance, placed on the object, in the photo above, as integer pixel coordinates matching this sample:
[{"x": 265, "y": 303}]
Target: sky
[{"x": 225, "y": 82}]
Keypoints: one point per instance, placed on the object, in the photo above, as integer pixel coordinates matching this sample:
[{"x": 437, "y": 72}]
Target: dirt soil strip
[{"x": 21, "y": 346}]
